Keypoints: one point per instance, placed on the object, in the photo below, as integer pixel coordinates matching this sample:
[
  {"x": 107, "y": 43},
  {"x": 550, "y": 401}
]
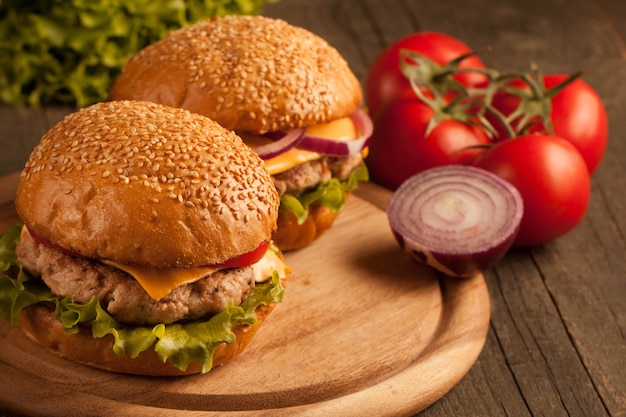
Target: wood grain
[{"x": 363, "y": 330}]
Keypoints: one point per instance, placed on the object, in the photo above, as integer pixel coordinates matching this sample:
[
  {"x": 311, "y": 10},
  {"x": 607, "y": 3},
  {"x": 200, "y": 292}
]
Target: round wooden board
[{"x": 363, "y": 330}]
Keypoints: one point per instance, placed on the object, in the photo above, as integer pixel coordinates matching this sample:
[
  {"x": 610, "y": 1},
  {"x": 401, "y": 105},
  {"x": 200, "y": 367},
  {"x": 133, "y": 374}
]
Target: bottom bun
[
  {"x": 40, "y": 324},
  {"x": 290, "y": 235}
]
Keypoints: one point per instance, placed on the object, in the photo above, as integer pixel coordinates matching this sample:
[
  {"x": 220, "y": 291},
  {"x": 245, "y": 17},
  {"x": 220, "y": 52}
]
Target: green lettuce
[
  {"x": 331, "y": 193},
  {"x": 181, "y": 344},
  {"x": 70, "y": 51}
]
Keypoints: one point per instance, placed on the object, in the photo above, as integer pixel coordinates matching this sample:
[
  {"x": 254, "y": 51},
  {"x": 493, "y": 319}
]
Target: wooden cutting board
[{"x": 363, "y": 330}]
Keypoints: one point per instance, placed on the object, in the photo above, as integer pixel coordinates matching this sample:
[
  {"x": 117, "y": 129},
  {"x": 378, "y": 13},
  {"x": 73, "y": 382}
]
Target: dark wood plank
[
  {"x": 21, "y": 129},
  {"x": 531, "y": 331},
  {"x": 613, "y": 12},
  {"x": 55, "y": 114}
]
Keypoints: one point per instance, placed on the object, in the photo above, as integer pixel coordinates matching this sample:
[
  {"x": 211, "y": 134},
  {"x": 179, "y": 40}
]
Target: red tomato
[
  {"x": 385, "y": 80},
  {"x": 577, "y": 114},
  {"x": 399, "y": 150},
  {"x": 552, "y": 178}
]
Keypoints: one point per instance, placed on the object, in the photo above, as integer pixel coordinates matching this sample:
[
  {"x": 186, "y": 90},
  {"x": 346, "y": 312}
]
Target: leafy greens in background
[{"x": 70, "y": 51}]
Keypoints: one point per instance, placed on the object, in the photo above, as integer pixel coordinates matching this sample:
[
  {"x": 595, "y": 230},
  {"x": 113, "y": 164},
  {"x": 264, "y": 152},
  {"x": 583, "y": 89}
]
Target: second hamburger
[{"x": 288, "y": 93}]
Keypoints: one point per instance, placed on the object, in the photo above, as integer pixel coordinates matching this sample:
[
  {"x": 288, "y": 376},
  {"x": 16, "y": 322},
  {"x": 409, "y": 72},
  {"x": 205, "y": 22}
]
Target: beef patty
[
  {"x": 122, "y": 296},
  {"x": 307, "y": 176}
]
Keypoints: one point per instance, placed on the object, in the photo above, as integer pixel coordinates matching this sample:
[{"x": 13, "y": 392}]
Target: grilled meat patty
[
  {"x": 307, "y": 176},
  {"x": 122, "y": 296}
]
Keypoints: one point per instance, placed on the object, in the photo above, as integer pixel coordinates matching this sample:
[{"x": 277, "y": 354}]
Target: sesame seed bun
[
  {"x": 248, "y": 73},
  {"x": 146, "y": 184}
]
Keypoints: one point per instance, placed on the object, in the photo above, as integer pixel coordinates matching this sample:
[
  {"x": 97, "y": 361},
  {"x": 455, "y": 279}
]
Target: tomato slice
[{"x": 247, "y": 258}]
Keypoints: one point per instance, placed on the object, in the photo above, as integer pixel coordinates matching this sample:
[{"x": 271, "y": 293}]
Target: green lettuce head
[{"x": 70, "y": 52}]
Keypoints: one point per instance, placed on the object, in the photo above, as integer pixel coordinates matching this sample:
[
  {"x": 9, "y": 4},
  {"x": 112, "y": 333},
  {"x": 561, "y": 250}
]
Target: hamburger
[
  {"x": 146, "y": 241},
  {"x": 288, "y": 93}
]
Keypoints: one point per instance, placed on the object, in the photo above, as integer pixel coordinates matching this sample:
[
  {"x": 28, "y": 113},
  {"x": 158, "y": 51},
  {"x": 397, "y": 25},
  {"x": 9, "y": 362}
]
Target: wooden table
[{"x": 557, "y": 340}]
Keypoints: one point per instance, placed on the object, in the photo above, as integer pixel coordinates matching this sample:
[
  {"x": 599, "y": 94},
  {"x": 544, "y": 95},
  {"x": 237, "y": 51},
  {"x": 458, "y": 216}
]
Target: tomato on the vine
[
  {"x": 385, "y": 80},
  {"x": 576, "y": 113},
  {"x": 400, "y": 146},
  {"x": 552, "y": 178}
]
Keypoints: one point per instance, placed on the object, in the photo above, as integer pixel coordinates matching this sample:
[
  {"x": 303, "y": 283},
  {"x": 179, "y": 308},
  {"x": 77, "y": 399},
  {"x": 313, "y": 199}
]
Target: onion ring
[{"x": 282, "y": 142}]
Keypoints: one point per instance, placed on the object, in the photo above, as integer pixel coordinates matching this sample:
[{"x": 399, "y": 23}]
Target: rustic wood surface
[
  {"x": 363, "y": 330},
  {"x": 557, "y": 339}
]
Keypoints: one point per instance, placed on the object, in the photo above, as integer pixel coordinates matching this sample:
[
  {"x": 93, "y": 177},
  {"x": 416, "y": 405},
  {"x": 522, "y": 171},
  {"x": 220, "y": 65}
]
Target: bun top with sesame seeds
[
  {"x": 146, "y": 184},
  {"x": 248, "y": 73}
]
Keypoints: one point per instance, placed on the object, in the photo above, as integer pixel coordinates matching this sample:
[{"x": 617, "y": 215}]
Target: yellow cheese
[
  {"x": 287, "y": 160},
  {"x": 341, "y": 129},
  {"x": 158, "y": 282}
]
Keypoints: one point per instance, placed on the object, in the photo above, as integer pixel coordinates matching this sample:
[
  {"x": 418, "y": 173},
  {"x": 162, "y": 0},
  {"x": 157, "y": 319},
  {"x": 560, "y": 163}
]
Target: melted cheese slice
[
  {"x": 158, "y": 282},
  {"x": 341, "y": 129}
]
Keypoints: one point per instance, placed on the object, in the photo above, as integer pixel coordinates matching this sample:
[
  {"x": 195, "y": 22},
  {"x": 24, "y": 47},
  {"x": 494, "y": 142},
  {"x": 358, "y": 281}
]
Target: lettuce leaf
[
  {"x": 71, "y": 51},
  {"x": 331, "y": 193},
  {"x": 8, "y": 241},
  {"x": 181, "y": 344}
]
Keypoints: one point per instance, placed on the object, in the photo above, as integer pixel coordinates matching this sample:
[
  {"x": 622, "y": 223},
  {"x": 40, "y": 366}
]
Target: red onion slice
[
  {"x": 282, "y": 142},
  {"x": 326, "y": 146},
  {"x": 458, "y": 219}
]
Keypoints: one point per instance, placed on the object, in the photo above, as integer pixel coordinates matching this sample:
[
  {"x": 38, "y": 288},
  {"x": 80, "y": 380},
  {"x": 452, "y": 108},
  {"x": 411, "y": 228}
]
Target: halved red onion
[
  {"x": 326, "y": 146},
  {"x": 282, "y": 142},
  {"x": 458, "y": 219}
]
